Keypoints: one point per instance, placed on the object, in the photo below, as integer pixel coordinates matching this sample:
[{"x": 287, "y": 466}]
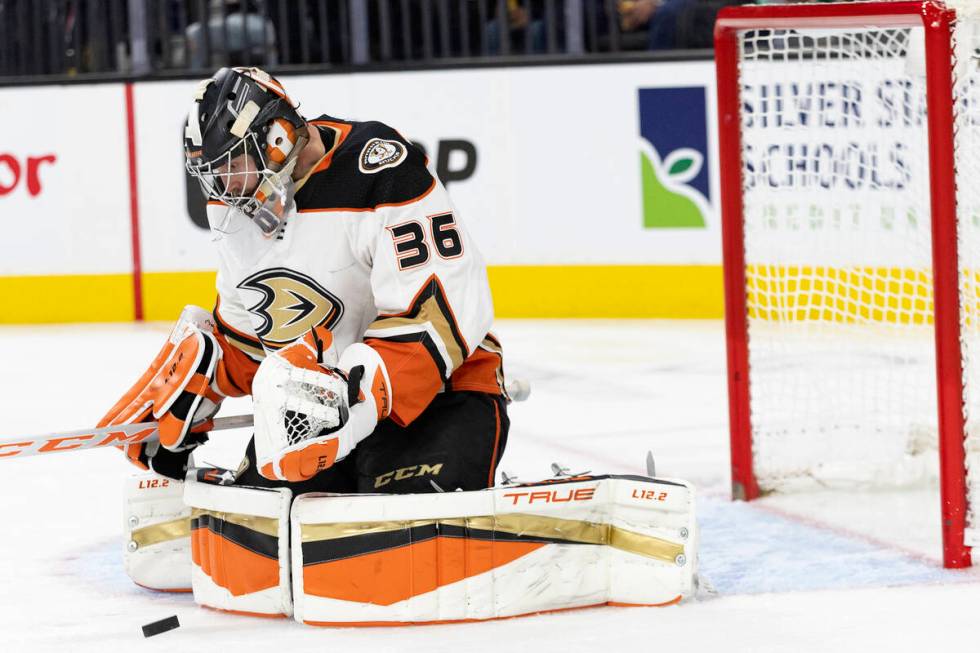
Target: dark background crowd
[{"x": 160, "y": 37}]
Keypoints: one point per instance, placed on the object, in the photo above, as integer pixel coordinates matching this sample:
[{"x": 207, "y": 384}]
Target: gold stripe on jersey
[
  {"x": 429, "y": 320},
  {"x": 491, "y": 344}
]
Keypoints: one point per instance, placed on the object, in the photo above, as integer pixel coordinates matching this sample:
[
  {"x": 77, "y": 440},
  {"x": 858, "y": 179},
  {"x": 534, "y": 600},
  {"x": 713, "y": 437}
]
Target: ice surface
[{"x": 788, "y": 575}]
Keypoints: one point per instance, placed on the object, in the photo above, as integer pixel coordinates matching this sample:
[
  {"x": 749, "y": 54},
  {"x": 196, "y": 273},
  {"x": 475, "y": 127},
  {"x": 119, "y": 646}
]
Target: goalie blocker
[{"x": 348, "y": 560}]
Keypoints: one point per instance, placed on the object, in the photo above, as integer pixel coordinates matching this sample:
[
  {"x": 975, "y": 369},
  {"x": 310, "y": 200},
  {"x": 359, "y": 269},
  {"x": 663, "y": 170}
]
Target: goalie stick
[{"x": 126, "y": 434}]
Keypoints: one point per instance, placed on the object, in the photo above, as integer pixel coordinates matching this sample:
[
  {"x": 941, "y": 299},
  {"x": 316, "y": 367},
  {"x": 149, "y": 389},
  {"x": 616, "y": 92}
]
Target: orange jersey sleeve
[{"x": 241, "y": 350}]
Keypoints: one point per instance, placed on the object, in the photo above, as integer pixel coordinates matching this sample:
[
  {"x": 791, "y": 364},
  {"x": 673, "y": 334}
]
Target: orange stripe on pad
[
  {"x": 393, "y": 575},
  {"x": 217, "y": 556},
  {"x": 387, "y": 624},
  {"x": 164, "y": 590},
  {"x": 261, "y": 615}
]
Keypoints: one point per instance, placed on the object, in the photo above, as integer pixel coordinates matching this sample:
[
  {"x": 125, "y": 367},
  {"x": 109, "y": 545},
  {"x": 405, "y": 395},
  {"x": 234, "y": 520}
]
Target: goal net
[{"x": 850, "y": 161}]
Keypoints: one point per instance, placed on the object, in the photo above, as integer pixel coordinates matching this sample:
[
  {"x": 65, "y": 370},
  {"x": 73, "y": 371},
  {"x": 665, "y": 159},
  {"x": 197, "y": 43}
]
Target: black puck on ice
[{"x": 162, "y": 626}]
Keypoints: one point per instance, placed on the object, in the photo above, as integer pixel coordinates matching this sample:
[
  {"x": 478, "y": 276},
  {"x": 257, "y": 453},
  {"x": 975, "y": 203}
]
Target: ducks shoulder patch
[{"x": 379, "y": 154}]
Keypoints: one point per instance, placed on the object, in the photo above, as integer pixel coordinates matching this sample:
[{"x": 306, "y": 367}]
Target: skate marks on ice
[{"x": 753, "y": 548}]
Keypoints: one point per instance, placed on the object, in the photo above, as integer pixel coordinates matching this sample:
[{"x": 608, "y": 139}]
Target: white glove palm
[{"x": 310, "y": 409}]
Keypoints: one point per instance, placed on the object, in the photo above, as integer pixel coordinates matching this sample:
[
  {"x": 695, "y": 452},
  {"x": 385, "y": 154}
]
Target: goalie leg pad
[
  {"x": 157, "y": 553},
  {"x": 240, "y": 548},
  {"x": 502, "y": 552}
]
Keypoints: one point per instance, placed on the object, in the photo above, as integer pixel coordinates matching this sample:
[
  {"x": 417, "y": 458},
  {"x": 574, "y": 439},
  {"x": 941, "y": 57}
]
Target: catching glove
[{"x": 312, "y": 408}]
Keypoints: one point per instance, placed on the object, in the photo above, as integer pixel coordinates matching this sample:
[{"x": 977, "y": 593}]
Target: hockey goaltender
[{"x": 354, "y": 308}]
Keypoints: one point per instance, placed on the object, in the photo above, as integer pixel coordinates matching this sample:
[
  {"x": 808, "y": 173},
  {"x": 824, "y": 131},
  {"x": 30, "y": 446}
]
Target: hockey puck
[{"x": 162, "y": 626}]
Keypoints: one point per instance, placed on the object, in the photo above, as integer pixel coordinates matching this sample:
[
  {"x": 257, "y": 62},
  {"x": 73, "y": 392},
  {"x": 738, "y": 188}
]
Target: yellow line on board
[
  {"x": 75, "y": 298},
  {"x": 165, "y": 294},
  {"x": 569, "y": 291},
  {"x": 519, "y": 291},
  {"x": 607, "y": 291}
]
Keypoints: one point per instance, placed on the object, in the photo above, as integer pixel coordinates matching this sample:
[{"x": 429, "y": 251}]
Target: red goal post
[{"x": 790, "y": 295}]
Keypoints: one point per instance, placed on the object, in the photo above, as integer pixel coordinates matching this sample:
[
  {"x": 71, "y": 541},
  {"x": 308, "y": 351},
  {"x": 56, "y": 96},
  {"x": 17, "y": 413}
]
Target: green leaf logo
[
  {"x": 667, "y": 200},
  {"x": 680, "y": 166}
]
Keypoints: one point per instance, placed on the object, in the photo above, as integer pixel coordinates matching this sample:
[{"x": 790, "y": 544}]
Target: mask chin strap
[
  {"x": 275, "y": 194},
  {"x": 273, "y": 202}
]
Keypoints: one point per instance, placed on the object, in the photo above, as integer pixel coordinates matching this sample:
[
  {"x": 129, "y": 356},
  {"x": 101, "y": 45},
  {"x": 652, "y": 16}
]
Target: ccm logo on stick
[
  {"x": 67, "y": 443},
  {"x": 12, "y": 171},
  {"x": 551, "y": 496}
]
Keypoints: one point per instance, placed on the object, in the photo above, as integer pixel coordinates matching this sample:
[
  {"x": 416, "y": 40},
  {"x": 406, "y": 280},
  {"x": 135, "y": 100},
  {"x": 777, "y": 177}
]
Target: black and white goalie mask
[{"x": 241, "y": 142}]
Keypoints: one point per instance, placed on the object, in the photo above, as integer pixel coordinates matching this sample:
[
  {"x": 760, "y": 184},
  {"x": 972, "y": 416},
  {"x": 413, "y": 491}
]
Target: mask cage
[{"x": 266, "y": 203}]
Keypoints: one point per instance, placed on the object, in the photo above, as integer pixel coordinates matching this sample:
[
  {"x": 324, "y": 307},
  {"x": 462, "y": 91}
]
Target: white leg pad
[
  {"x": 502, "y": 552},
  {"x": 654, "y": 554},
  {"x": 240, "y": 548},
  {"x": 156, "y": 528}
]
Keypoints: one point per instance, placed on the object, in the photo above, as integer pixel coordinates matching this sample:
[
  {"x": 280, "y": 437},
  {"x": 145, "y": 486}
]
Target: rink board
[{"x": 543, "y": 165}]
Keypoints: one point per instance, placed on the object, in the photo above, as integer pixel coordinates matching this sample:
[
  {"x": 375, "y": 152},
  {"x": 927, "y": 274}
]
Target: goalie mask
[{"x": 241, "y": 141}]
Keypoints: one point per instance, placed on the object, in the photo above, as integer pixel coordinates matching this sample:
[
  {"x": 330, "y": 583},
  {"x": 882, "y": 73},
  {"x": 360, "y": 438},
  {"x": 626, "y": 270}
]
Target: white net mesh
[
  {"x": 294, "y": 404},
  {"x": 966, "y": 105},
  {"x": 838, "y": 259},
  {"x": 313, "y": 405}
]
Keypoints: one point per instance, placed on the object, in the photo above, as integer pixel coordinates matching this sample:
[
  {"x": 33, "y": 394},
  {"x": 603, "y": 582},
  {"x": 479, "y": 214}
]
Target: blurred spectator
[
  {"x": 696, "y": 27},
  {"x": 237, "y": 33},
  {"x": 672, "y": 24},
  {"x": 525, "y": 22},
  {"x": 634, "y": 14},
  {"x": 658, "y": 16}
]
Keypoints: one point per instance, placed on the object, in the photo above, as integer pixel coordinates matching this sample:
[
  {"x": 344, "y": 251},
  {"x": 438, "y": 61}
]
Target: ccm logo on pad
[{"x": 551, "y": 496}]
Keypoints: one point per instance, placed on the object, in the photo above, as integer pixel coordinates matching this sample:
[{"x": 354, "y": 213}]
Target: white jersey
[{"x": 373, "y": 250}]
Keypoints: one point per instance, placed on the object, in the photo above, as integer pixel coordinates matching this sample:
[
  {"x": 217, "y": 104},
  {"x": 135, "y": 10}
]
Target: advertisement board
[
  {"x": 64, "y": 202},
  {"x": 584, "y": 179}
]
